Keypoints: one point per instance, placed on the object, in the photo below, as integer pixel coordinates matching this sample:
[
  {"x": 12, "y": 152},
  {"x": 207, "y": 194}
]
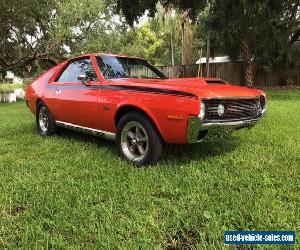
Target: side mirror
[{"x": 82, "y": 77}]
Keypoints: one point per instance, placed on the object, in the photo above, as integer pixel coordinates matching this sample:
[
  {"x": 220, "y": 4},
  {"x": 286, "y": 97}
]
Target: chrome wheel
[
  {"x": 44, "y": 119},
  {"x": 134, "y": 141}
]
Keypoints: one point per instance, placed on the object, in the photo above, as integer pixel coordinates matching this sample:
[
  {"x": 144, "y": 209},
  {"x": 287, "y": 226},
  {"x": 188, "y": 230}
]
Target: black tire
[
  {"x": 147, "y": 131},
  {"x": 48, "y": 129}
]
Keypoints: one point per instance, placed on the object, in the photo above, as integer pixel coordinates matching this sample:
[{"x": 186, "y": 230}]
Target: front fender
[{"x": 168, "y": 113}]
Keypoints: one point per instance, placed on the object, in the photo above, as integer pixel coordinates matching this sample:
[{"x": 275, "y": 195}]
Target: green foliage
[
  {"x": 72, "y": 191},
  {"x": 149, "y": 40},
  {"x": 24, "y": 35},
  {"x": 154, "y": 38},
  {"x": 83, "y": 26},
  {"x": 146, "y": 44},
  {"x": 133, "y": 9},
  {"x": 7, "y": 87},
  {"x": 188, "y": 10},
  {"x": 270, "y": 27},
  {"x": 38, "y": 34}
]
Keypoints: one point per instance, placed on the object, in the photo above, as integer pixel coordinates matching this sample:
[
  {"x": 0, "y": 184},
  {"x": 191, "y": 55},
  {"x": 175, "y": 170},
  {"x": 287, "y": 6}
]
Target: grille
[{"x": 218, "y": 110}]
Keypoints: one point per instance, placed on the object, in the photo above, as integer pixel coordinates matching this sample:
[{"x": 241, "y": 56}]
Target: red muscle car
[{"x": 128, "y": 100}]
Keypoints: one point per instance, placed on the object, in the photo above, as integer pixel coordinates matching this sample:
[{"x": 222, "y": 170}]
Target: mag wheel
[
  {"x": 137, "y": 140},
  {"x": 44, "y": 120}
]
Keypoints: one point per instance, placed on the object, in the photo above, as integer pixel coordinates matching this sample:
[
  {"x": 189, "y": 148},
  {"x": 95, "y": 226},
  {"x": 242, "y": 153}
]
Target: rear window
[{"x": 216, "y": 81}]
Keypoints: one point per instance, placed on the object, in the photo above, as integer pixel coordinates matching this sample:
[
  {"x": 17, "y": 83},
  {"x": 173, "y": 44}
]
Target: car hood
[{"x": 197, "y": 86}]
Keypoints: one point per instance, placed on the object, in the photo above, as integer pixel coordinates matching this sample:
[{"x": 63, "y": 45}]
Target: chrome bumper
[{"x": 195, "y": 126}]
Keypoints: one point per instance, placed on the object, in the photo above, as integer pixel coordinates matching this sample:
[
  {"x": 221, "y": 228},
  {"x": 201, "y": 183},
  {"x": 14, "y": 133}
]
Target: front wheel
[{"x": 137, "y": 139}]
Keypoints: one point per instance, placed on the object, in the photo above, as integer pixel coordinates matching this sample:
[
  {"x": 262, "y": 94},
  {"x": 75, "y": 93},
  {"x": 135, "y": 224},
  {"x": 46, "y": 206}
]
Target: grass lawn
[
  {"x": 7, "y": 87},
  {"x": 72, "y": 190}
]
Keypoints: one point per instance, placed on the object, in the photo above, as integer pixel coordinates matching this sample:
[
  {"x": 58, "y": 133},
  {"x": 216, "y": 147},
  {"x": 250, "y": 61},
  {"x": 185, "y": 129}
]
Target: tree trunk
[
  {"x": 249, "y": 66},
  {"x": 168, "y": 16},
  {"x": 208, "y": 46},
  {"x": 172, "y": 50},
  {"x": 208, "y": 55},
  {"x": 185, "y": 39}
]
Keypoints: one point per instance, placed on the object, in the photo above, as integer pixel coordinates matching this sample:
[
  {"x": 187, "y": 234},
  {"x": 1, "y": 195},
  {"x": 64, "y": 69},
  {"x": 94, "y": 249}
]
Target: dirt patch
[
  {"x": 183, "y": 240},
  {"x": 14, "y": 210}
]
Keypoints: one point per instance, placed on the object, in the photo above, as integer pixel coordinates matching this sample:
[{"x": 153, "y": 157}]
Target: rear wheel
[
  {"x": 137, "y": 140},
  {"x": 45, "y": 123}
]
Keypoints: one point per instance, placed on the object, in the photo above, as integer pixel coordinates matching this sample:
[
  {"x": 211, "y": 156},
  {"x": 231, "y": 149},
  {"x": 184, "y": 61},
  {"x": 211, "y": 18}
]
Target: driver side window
[{"x": 76, "y": 68}]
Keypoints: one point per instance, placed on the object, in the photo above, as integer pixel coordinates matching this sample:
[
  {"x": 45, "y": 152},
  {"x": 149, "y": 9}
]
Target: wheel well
[
  {"x": 38, "y": 100},
  {"x": 126, "y": 109}
]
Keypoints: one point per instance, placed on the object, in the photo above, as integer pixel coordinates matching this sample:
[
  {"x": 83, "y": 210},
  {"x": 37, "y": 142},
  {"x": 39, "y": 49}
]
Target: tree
[
  {"x": 165, "y": 25},
  {"x": 143, "y": 42},
  {"x": 133, "y": 9},
  {"x": 169, "y": 24},
  {"x": 83, "y": 27},
  {"x": 283, "y": 57},
  {"x": 24, "y": 34},
  {"x": 36, "y": 34},
  {"x": 258, "y": 31}
]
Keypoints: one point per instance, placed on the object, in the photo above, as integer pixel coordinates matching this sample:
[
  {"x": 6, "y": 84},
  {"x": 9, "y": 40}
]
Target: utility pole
[
  {"x": 185, "y": 39},
  {"x": 208, "y": 54},
  {"x": 208, "y": 45},
  {"x": 172, "y": 49},
  {"x": 200, "y": 65},
  {"x": 169, "y": 23}
]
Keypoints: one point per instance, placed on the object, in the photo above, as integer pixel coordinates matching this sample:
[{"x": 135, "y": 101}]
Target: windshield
[{"x": 123, "y": 67}]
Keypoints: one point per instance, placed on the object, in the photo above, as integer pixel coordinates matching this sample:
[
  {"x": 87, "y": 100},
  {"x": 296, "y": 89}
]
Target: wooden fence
[{"x": 233, "y": 73}]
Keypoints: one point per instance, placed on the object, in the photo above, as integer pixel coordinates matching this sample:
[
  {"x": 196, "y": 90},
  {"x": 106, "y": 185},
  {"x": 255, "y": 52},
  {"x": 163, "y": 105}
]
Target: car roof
[
  {"x": 105, "y": 54},
  {"x": 118, "y": 55}
]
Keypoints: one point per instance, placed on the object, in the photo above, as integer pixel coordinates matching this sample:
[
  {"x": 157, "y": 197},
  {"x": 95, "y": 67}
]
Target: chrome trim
[
  {"x": 241, "y": 108},
  {"x": 58, "y": 91},
  {"x": 234, "y": 123},
  {"x": 134, "y": 141},
  {"x": 195, "y": 126},
  {"x": 103, "y": 134},
  {"x": 43, "y": 119},
  {"x": 232, "y": 97},
  {"x": 202, "y": 108}
]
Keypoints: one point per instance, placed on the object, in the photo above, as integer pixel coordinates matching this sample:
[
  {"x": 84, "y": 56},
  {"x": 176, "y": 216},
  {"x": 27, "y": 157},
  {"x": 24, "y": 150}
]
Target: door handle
[{"x": 58, "y": 91}]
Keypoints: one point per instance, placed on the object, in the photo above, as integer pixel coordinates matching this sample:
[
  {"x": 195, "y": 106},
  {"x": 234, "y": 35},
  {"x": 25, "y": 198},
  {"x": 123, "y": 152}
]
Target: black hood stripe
[
  {"x": 127, "y": 88},
  {"x": 148, "y": 90}
]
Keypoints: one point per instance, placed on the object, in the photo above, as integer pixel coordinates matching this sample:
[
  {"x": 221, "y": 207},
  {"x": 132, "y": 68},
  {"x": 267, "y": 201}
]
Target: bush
[{"x": 8, "y": 87}]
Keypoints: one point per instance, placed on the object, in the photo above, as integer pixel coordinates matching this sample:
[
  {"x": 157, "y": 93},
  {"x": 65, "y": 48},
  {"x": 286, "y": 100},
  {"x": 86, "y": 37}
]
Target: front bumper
[{"x": 195, "y": 127}]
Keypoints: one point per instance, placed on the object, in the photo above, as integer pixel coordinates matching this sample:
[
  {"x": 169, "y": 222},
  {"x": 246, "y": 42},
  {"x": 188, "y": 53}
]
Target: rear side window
[{"x": 76, "y": 68}]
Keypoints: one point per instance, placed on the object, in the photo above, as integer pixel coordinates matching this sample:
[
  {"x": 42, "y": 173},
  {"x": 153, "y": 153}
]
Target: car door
[{"x": 75, "y": 101}]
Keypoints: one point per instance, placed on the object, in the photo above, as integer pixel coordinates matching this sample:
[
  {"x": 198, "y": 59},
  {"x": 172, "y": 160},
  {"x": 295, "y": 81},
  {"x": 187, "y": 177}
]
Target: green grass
[
  {"x": 7, "y": 87},
  {"x": 72, "y": 191}
]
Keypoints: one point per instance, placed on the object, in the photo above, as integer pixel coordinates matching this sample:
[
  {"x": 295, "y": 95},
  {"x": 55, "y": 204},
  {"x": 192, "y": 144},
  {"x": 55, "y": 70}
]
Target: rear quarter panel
[{"x": 38, "y": 90}]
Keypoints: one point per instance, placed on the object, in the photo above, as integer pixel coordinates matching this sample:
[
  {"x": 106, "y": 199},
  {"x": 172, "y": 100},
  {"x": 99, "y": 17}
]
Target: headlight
[{"x": 202, "y": 110}]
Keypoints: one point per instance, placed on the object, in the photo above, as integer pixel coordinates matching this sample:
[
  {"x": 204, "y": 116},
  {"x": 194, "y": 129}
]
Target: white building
[
  {"x": 217, "y": 59},
  {"x": 11, "y": 78}
]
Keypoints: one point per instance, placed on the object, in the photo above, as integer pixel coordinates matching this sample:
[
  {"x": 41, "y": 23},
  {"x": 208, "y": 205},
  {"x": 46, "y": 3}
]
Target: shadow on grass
[
  {"x": 210, "y": 148},
  {"x": 99, "y": 142},
  {"x": 181, "y": 154}
]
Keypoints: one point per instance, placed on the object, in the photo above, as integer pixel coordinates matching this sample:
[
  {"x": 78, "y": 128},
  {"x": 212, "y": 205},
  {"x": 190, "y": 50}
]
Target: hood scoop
[{"x": 214, "y": 81}]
